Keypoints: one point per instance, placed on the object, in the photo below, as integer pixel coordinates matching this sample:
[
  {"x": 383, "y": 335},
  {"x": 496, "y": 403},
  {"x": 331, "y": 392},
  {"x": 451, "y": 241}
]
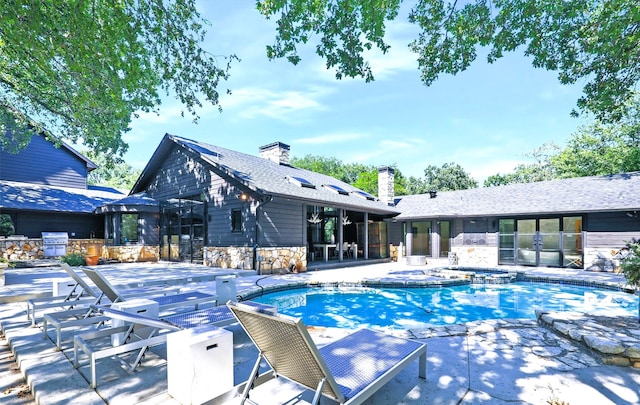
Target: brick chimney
[
  {"x": 386, "y": 191},
  {"x": 277, "y": 152}
]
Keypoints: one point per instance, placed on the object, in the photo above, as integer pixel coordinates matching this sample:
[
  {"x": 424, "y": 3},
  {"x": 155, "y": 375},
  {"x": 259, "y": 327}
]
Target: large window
[{"x": 129, "y": 226}]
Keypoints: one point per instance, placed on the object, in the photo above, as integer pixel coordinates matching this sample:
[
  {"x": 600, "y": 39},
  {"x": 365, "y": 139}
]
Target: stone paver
[{"x": 487, "y": 362}]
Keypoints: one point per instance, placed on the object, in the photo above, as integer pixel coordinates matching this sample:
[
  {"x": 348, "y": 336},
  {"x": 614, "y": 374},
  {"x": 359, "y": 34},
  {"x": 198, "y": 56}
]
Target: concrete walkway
[{"x": 488, "y": 362}]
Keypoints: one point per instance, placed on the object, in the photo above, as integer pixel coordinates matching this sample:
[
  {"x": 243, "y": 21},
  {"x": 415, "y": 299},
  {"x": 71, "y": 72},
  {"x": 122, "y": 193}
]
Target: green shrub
[
  {"x": 631, "y": 267},
  {"x": 631, "y": 263},
  {"x": 73, "y": 259}
]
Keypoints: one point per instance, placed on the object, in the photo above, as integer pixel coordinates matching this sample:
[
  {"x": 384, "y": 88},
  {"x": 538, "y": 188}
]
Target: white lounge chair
[
  {"x": 85, "y": 316},
  {"x": 80, "y": 295},
  {"x": 348, "y": 370},
  {"x": 142, "y": 332}
]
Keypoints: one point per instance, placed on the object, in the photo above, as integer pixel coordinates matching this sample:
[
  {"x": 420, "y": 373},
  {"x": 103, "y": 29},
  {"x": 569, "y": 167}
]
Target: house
[
  {"x": 201, "y": 203},
  {"x": 231, "y": 209},
  {"x": 44, "y": 188},
  {"x": 578, "y": 222}
]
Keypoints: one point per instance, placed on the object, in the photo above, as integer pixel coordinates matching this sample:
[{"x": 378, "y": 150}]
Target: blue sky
[{"x": 485, "y": 119}]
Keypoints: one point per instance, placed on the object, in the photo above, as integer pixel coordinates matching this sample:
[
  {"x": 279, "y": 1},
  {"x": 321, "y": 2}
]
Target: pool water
[{"x": 404, "y": 308}]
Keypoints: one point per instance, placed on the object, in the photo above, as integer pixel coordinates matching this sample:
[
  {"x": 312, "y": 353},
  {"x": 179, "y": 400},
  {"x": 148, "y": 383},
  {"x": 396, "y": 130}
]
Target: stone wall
[
  {"x": 270, "y": 260},
  {"x": 229, "y": 257},
  {"x": 21, "y": 249},
  {"x": 131, "y": 253},
  {"x": 282, "y": 259},
  {"x": 476, "y": 255}
]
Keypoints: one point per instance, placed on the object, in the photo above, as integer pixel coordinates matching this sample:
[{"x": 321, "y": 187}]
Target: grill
[{"x": 54, "y": 243}]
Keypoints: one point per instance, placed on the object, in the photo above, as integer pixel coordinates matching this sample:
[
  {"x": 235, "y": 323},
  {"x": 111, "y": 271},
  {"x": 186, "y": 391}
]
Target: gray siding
[
  {"x": 612, "y": 222},
  {"x": 395, "y": 236},
  {"x": 42, "y": 163},
  {"x": 181, "y": 176},
  {"x": 281, "y": 223},
  {"x": 78, "y": 226}
]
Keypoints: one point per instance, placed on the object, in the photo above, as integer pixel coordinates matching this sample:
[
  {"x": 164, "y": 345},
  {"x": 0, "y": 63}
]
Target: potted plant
[{"x": 631, "y": 267}]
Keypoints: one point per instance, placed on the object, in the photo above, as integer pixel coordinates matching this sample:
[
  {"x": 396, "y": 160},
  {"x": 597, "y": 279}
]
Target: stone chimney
[
  {"x": 277, "y": 152},
  {"x": 386, "y": 191}
]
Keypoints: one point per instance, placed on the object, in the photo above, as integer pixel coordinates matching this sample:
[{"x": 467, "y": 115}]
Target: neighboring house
[
  {"x": 232, "y": 209},
  {"x": 578, "y": 222}
]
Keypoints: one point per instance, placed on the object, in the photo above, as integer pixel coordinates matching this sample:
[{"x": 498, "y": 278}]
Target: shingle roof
[
  {"x": 267, "y": 177},
  {"x": 36, "y": 197},
  {"x": 585, "y": 194}
]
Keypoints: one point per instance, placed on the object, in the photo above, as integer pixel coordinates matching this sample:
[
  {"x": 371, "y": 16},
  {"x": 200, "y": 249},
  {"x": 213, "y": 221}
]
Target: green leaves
[
  {"x": 83, "y": 69},
  {"x": 592, "y": 41}
]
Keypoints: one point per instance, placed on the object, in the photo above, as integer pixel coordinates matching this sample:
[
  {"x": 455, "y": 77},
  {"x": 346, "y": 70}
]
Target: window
[
  {"x": 336, "y": 189},
  {"x": 236, "y": 221},
  {"x": 129, "y": 226},
  {"x": 300, "y": 182},
  {"x": 363, "y": 194},
  {"x": 475, "y": 231}
]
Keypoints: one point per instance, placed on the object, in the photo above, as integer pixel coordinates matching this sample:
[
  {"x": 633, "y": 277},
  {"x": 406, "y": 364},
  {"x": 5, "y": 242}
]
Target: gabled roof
[
  {"x": 263, "y": 176},
  {"x": 35, "y": 197},
  {"x": 618, "y": 192},
  {"x": 136, "y": 202}
]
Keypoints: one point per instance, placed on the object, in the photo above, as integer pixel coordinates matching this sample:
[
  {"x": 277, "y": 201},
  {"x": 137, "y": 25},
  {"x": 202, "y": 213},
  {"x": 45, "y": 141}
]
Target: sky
[{"x": 486, "y": 119}]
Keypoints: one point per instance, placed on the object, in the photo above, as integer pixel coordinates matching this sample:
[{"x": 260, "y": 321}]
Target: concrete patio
[{"x": 488, "y": 362}]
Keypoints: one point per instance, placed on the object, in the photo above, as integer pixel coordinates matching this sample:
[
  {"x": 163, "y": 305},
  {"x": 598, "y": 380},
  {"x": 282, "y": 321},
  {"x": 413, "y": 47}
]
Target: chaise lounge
[
  {"x": 79, "y": 317},
  {"x": 141, "y": 333},
  {"x": 348, "y": 370}
]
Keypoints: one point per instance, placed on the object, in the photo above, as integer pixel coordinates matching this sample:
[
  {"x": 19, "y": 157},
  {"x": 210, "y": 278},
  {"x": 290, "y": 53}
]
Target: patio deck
[{"x": 488, "y": 362}]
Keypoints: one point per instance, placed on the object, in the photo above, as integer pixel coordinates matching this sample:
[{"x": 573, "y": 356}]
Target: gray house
[
  {"x": 230, "y": 209},
  {"x": 580, "y": 223}
]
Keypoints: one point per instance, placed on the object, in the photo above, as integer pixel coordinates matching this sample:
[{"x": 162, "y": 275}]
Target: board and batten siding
[
  {"x": 179, "y": 176},
  {"x": 42, "y": 163},
  {"x": 282, "y": 223}
]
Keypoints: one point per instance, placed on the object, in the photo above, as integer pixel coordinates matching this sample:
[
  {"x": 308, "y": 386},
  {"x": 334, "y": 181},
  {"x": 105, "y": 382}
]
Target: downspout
[{"x": 262, "y": 201}]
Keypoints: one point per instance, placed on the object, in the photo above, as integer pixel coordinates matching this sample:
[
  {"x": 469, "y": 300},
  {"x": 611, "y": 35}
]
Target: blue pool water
[{"x": 404, "y": 308}]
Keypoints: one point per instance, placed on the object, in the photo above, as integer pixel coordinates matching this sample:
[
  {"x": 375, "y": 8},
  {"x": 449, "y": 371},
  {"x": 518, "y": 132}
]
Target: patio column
[
  {"x": 340, "y": 234},
  {"x": 365, "y": 248},
  {"x": 409, "y": 240}
]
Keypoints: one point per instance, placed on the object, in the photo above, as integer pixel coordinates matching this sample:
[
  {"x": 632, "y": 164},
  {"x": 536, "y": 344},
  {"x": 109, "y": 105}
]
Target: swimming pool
[{"x": 405, "y": 308}]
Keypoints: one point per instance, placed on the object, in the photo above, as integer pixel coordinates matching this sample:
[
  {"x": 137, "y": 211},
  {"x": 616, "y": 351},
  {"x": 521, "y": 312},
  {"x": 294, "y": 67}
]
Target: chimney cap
[
  {"x": 386, "y": 169},
  {"x": 433, "y": 193},
  {"x": 276, "y": 144}
]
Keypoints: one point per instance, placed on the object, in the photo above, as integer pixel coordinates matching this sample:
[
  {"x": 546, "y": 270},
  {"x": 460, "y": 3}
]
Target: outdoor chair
[
  {"x": 79, "y": 317},
  {"x": 81, "y": 294},
  {"x": 348, "y": 370},
  {"x": 141, "y": 333}
]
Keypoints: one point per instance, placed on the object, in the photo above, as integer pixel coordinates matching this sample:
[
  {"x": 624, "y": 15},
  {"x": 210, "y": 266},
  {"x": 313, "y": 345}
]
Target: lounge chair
[
  {"x": 348, "y": 370},
  {"x": 142, "y": 332},
  {"x": 80, "y": 295},
  {"x": 79, "y": 317}
]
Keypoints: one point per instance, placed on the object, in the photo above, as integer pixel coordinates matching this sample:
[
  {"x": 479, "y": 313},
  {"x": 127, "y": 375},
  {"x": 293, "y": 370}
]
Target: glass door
[
  {"x": 549, "y": 242},
  {"x": 538, "y": 242},
  {"x": 527, "y": 242}
]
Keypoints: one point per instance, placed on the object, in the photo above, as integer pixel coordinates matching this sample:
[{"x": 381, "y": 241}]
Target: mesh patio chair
[{"x": 348, "y": 370}]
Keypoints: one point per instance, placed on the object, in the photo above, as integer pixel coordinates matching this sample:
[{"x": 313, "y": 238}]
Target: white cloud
[
  {"x": 251, "y": 102},
  {"x": 326, "y": 139}
]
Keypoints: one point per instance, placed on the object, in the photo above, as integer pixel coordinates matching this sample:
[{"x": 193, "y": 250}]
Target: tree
[
  {"x": 592, "y": 41},
  {"x": 595, "y": 149},
  {"x": 112, "y": 172},
  {"x": 602, "y": 149},
  {"x": 631, "y": 267},
  {"x": 540, "y": 170},
  {"x": 364, "y": 177},
  {"x": 449, "y": 177},
  {"x": 82, "y": 69}
]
